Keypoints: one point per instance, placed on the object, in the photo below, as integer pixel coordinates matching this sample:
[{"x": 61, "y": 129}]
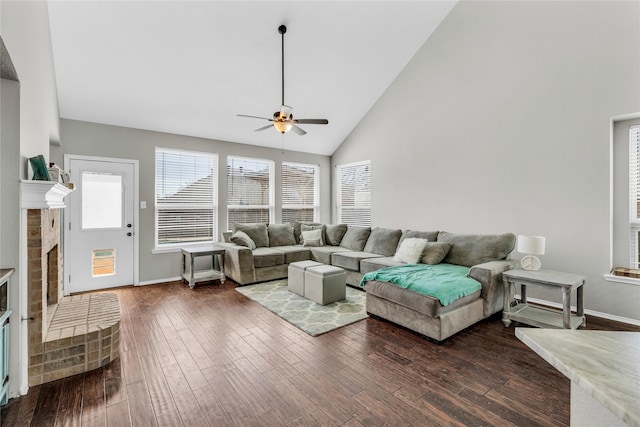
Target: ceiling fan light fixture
[{"x": 283, "y": 127}]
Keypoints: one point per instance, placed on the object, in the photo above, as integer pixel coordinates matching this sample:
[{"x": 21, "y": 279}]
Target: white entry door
[{"x": 99, "y": 225}]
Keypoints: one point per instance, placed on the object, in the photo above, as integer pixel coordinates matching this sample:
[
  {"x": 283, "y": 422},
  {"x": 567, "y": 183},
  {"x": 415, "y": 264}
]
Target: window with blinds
[
  {"x": 353, "y": 200},
  {"x": 249, "y": 190},
  {"x": 634, "y": 194},
  {"x": 186, "y": 197},
  {"x": 300, "y": 192}
]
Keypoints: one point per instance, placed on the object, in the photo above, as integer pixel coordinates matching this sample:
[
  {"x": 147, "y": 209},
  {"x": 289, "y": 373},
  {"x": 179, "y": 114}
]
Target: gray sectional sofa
[{"x": 261, "y": 252}]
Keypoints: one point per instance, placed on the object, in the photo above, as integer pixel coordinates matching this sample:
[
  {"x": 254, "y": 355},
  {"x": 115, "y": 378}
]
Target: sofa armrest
[
  {"x": 238, "y": 263},
  {"x": 489, "y": 274}
]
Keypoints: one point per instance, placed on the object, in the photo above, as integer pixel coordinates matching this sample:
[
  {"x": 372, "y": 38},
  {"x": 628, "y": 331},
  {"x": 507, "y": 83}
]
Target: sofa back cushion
[
  {"x": 383, "y": 241},
  {"x": 473, "y": 249},
  {"x": 431, "y": 236},
  {"x": 355, "y": 238},
  {"x": 257, "y": 231},
  {"x": 281, "y": 234},
  {"x": 333, "y": 234}
]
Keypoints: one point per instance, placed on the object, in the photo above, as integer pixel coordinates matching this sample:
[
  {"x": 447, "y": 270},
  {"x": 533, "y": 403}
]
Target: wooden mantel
[{"x": 42, "y": 194}]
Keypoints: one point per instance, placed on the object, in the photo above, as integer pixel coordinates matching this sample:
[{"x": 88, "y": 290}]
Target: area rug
[{"x": 312, "y": 318}]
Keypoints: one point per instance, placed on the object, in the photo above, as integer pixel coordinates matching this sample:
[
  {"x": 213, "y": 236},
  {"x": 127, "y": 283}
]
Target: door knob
[
  {"x": 128, "y": 225},
  {"x": 129, "y": 234}
]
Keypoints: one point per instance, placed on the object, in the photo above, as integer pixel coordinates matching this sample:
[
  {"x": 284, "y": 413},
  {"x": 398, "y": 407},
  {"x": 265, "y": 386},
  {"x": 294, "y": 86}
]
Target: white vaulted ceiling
[{"x": 188, "y": 67}]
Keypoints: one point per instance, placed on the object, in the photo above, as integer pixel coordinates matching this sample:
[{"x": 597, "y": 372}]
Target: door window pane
[{"x": 101, "y": 201}]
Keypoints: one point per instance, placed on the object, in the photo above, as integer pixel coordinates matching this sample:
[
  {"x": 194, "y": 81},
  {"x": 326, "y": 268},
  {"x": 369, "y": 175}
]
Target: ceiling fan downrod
[{"x": 282, "y": 30}]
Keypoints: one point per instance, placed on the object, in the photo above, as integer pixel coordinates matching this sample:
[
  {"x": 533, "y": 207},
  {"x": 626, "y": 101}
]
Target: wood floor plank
[{"x": 211, "y": 356}]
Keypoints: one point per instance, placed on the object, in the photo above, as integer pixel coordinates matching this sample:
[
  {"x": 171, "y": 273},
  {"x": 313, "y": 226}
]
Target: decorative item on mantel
[
  {"x": 531, "y": 245},
  {"x": 59, "y": 175},
  {"x": 39, "y": 166}
]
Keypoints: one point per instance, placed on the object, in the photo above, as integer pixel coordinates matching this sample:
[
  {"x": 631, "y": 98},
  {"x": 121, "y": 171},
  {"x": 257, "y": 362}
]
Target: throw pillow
[
  {"x": 281, "y": 235},
  {"x": 355, "y": 238},
  {"x": 434, "y": 252},
  {"x": 383, "y": 241},
  {"x": 309, "y": 227},
  {"x": 333, "y": 234},
  {"x": 257, "y": 232},
  {"x": 296, "y": 229},
  {"x": 311, "y": 237},
  {"x": 410, "y": 250},
  {"x": 241, "y": 238}
]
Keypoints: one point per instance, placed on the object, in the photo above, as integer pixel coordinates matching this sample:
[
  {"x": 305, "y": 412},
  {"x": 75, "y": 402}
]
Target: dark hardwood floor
[{"x": 211, "y": 356}]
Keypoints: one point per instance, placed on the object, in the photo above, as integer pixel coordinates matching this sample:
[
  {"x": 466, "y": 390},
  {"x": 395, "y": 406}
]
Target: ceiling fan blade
[
  {"x": 298, "y": 130},
  {"x": 312, "y": 121},
  {"x": 254, "y": 117},
  {"x": 263, "y": 128}
]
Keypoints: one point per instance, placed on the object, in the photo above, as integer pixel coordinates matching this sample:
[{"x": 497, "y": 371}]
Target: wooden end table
[
  {"x": 544, "y": 317},
  {"x": 191, "y": 276}
]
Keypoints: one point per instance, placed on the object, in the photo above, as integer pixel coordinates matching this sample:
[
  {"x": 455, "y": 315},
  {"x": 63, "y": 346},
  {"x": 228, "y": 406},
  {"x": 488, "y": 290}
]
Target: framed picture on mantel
[{"x": 39, "y": 166}]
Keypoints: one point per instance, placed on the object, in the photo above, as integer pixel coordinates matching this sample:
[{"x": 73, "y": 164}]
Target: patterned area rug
[{"x": 314, "y": 319}]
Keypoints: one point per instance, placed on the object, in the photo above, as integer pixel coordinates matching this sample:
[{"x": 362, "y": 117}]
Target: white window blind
[
  {"x": 634, "y": 194},
  {"x": 249, "y": 190},
  {"x": 353, "y": 200},
  {"x": 186, "y": 197},
  {"x": 300, "y": 188}
]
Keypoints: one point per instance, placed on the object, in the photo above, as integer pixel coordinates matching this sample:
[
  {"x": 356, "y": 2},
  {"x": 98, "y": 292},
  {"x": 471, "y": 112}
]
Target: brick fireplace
[{"x": 66, "y": 335}]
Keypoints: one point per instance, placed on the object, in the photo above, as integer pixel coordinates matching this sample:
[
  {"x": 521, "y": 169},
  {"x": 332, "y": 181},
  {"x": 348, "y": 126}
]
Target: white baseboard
[
  {"x": 155, "y": 282},
  {"x": 607, "y": 316}
]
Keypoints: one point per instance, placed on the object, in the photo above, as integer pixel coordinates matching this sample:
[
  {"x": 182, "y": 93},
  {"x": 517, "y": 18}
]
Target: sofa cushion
[
  {"x": 383, "y": 241},
  {"x": 472, "y": 249},
  {"x": 333, "y": 234},
  {"x": 350, "y": 260},
  {"x": 297, "y": 230},
  {"x": 257, "y": 232},
  {"x": 267, "y": 257},
  {"x": 241, "y": 238},
  {"x": 431, "y": 236},
  {"x": 434, "y": 252},
  {"x": 323, "y": 253},
  {"x": 374, "y": 264},
  {"x": 294, "y": 253},
  {"x": 281, "y": 235},
  {"x": 421, "y": 303},
  {"x": 319, "y": 235},
  {"x": 355, "y": 238}
]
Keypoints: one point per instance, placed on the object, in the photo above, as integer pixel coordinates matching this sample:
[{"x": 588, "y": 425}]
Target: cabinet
[{"x": 5, "y": 315}]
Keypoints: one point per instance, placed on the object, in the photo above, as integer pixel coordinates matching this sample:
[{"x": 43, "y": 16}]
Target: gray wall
[
  {"x": 24, "y": 26},
  {"x": 91, "y": 139},
  {"x": 501, "y": 123}
]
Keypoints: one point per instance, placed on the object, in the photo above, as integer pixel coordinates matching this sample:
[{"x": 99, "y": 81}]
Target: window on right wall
[
  {"x": 634, "y": 195},
  {"x": 353, "y": 201}
]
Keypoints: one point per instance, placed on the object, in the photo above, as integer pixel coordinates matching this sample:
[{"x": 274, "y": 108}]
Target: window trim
[
  {"x": 271, "y": 205},
  {"x": 316, "y": 189},
  {"x": 176, "y": 247},
  {"x": 339, "y": 206}
]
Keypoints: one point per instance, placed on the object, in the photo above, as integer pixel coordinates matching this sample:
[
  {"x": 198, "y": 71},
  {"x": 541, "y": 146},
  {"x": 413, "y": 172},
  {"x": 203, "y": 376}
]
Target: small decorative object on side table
[
  {"x": 216, "y": 271},
  {"x": 544, "y": 317}
]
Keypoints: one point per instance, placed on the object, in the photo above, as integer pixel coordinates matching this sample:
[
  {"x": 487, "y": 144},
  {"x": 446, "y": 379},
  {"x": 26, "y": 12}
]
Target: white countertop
[{"x": 605, "y": 364}]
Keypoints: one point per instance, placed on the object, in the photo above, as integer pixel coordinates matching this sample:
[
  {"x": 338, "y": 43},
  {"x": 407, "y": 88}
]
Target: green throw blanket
[{"x": 447, "y": 282}]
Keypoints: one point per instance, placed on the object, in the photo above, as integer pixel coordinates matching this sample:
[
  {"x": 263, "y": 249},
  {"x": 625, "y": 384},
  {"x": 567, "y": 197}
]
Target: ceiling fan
[{"x": 283, "y": 120}]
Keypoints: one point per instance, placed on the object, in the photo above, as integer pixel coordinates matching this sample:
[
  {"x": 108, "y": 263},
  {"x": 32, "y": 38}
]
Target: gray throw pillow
[
  {"x": 297, "y": 231},
  {"x": 308, "y": 227},
  {"x": 257, "y": 232},
  {"x": 281, "y": 234},
  {"x": 355, "y": 238},
  {"x": 434, "y": 252},
  {"x": 473, "y": 249},
  {"x": 333, "y": 234},
  {"x": 383, "y": 241},
  {"x": 241, "y": 238}
]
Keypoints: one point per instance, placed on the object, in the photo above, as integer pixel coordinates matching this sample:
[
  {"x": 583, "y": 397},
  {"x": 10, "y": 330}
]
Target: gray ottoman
[
  {"x": 325, "y": 284},
  {"x": 295, "y": 283}
]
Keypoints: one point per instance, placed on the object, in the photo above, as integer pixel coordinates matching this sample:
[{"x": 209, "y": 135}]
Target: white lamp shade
[{"x": 532, "y": 245}]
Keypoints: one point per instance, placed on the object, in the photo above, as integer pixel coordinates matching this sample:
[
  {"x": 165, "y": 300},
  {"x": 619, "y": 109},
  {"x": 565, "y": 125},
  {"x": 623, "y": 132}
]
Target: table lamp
[{"x": 531, "y": 245}]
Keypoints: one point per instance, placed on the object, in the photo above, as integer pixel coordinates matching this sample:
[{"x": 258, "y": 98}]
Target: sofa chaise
[{"x": 261, "y": 252}]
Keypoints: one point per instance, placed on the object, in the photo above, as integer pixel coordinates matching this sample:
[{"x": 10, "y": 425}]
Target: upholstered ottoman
[
  {"x": 295, "y": 283},
  {"x": 325, "y": 284}
]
